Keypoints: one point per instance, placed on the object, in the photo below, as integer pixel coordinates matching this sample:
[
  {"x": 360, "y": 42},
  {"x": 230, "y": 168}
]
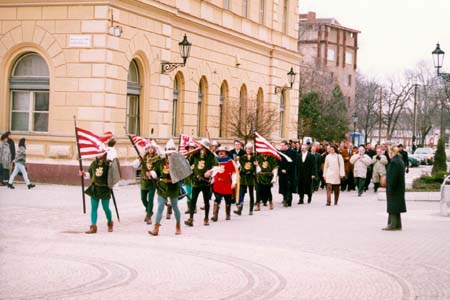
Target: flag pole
[
  {"x": 135, "y": 148},
  {"x": 115, "y": 204},
  {"x": 81, "y": 165}
]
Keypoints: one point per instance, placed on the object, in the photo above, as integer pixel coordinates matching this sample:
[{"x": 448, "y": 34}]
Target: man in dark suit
[
  {"x": 286, "y": 174},
  {"x": 237, "y": 151},
  {"x": 307, "y": 171},
  {"x": 318, "y": 164}
]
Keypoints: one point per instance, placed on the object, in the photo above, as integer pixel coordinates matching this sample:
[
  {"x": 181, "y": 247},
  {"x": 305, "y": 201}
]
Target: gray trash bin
[{"x": 445, "y": 197}]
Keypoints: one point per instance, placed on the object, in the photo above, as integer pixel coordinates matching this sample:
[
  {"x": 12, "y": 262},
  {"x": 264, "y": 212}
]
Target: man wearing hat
[
  {"x": 148, "y": 184},
  {"x": 247, "y": 167},
  {"x": 167, "y": 190},
  {"x": 201, "y": 162},
  {"x": 224, "y": 181}
]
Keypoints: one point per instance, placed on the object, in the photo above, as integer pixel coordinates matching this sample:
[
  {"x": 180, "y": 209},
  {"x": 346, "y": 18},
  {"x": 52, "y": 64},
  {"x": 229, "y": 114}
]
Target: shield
[{"x": 179, "y": 167}]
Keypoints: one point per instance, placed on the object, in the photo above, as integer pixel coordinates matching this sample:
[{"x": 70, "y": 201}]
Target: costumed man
[
  {"x": 307, "y": 172},
  {"x": 224, "y": 181},
  {"x": 148, "y": 184},
  {"x": 265, "y": 177},
  {"x": 99, "y": 191},
  {"x": 167, "y": 190},
  {"x": 188, "y": 181},
  {"x": 201, "y": 163},
  {"x": 247, "y": 170},
  {"x": 286, "y": 172}
]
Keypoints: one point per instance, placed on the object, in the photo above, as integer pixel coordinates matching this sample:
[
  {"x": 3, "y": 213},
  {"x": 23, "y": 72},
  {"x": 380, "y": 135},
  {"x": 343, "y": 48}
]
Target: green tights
[{"x": 94, "y": 207}]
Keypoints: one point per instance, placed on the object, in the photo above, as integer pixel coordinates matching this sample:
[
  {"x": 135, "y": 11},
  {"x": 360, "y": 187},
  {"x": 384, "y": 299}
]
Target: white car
[{"x": 424, "y": 155}]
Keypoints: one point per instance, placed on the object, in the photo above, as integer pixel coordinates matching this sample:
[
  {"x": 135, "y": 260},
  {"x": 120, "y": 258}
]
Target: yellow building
[{"x": 101, "y": 61}]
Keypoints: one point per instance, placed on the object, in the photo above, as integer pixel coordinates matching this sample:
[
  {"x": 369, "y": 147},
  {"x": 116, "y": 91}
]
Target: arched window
[
  {"x": 133, "y": 93},
  {"x": 29, "y": 86},
  {"x": 243, "y": 108},
  {"x": 177, "y": 103},
  {"x": 223, "y": 108},
  {"x": 259, "y": 107},
  {"x": 282, "y": 112},
  {"x": 201, "y": 106}
]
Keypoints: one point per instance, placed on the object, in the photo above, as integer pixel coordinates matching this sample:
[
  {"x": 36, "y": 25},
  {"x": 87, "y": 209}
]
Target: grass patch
[{"x": 428, "y": 183}]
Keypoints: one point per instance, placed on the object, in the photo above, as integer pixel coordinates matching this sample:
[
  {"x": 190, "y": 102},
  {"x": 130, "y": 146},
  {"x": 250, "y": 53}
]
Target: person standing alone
[{"x": 306, "y": 170}]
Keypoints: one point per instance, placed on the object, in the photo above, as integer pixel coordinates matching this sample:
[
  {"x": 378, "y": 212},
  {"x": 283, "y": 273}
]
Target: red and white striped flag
[
  {"x": 184, "y": 142},
  {"x": 92, "y": 145},
  {"x": 139, "y": 141},
  {"x": 264, "y": 147}
]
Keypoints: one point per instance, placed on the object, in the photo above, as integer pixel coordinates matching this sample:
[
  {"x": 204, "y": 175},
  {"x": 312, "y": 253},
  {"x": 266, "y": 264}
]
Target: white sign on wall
[{"x": 80, "y": 41}]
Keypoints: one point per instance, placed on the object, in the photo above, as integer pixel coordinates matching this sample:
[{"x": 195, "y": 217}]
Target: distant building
[{"x": 325, "y": 42}]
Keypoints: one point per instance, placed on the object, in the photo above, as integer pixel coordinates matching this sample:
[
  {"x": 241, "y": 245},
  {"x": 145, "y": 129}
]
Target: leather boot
[
  {"x": 92, "y": 229},
  {"x": 147, "y": 216},
  {"x": 149, "y": 220},
  {"x": 270, "y": 205},
  {"x": 178, "y": 229},
  {"x": 155, "y": 230},
  {"x": 110, "y": 226},
  {"x": 376, "y": 185},
  {"x": 189, "y": 222},
  {"x": 30, "y": 186},
  {"x": 228, "y": 211},
  {"x": 239, "y": 210},
  {"x": 215, "y": 212},
  {"x": 10, "y": 186},
  {"x": 258, "y": 207},
  {"x": 206, "y": 221},
  {"x": 169, "y": 212}
]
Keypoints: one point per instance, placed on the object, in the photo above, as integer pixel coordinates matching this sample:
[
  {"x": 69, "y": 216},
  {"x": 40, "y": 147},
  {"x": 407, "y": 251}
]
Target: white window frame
[
  {"x": 348, "y": 58},
  {"x": 30, "y": 110}
]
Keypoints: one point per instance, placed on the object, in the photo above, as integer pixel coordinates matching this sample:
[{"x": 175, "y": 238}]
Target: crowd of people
[{"x": 232, "y": 175}]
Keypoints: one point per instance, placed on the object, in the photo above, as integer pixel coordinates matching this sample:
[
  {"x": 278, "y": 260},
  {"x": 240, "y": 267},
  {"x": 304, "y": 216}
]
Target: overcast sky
[{"x": 395, "y": 34}]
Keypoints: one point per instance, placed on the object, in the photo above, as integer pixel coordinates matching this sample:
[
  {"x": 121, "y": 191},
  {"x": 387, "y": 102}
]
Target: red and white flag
[
  {"x": 92, "y": 145},
  {"x": 139, "y": 141},
  {"x": 184, "y": 142},
  {"x": 264, "y": 147}
]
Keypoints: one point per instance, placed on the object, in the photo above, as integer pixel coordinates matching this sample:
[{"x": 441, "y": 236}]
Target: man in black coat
[
  {"x": 286, "y": 174},
  {"x": 318, "y": 164},
  {"x": 237, "y": 152},
  {"x": 395, "y": 190},
  {"x": 371, "y": 152},
  {"x": 307, "y": 172},
  {"x": 404, "y": 156}
]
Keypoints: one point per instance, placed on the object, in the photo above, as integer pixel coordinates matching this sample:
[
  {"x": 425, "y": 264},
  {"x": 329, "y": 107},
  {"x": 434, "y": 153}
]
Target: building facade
[
  {"x": 100, "y": 62},
  {"x": 325, "y": 43}
]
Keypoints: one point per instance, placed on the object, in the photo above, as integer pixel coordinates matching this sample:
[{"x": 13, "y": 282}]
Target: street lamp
[
  {"x": 438, "y": 60},
  {"x": 291, "y": 79},
  {"x": 185, "y": 49},
  {"x": 355, "y": 120}
]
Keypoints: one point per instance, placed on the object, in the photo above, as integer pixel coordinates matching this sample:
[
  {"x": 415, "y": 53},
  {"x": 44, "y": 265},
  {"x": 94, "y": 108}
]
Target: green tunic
[
  {"x": 165, "y": 187},
  {"x": 267, "y": 165},
  {"x": 149, "y": 163},
  {"x": 247, "y": 169},
  {"x": 200, "y": 163},
  {"x": 98, "y": 170}
]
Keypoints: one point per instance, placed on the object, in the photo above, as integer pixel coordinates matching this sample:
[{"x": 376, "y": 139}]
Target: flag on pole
[
  {"x": 264, "y": 147},
  {"x": 139, "y": 141},
  {"x": 184, "y": 142},
  {"x": 91, "y": 145}
]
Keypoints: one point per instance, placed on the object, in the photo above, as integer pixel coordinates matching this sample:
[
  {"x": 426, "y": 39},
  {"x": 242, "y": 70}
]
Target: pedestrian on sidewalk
[
  {"x": 360, "y": 162},
  {"x": 167, "y": 190},
  {"x": 286, "y": 174},
  {"x": 333, "y": 172},
  {"x": 306, "y": 170},
  {"x": 379, "y": 162},
  {"x": 20, "y": 166},
  {"x": 395, "y": 189}
]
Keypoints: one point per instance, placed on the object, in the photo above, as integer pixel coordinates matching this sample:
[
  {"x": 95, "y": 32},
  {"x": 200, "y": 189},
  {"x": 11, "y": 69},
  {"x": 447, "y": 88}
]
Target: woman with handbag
[
  {"x": 333, "y": 171},
  {"x": 20, "y": 166}
]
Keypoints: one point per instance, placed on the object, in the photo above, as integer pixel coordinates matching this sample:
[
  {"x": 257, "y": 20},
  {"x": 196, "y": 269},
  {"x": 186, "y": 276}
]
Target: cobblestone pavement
[{"x": 304, "y": 252}]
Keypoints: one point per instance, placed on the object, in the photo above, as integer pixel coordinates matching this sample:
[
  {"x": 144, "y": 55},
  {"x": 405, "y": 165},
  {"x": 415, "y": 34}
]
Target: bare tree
[
  {"x": 366, "y": 101},
  {"x": 244, "y": 124}
]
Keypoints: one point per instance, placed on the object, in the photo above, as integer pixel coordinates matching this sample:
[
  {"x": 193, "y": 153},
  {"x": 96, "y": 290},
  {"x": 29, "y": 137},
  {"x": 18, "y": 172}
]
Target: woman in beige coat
[
  {"x": 333, "y": 171},
  {"x": 379, "y": 162}
]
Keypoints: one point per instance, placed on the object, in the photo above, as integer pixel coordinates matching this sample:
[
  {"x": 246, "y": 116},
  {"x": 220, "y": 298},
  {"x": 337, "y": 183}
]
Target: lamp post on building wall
[
  {"x": 438, "y": 60},
  {"x": 185, "y": 49},
  {"x": 355, "y": 120},
  {"x": 291, "y": 79}
]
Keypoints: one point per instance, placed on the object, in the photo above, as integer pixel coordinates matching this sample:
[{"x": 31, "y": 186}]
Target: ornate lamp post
[
  {"x": 438, "y": 60},
  {"x": 185, "y": 49},
  {"x": 291, "y": 79},
  {"x": 355, "y": 120}
]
